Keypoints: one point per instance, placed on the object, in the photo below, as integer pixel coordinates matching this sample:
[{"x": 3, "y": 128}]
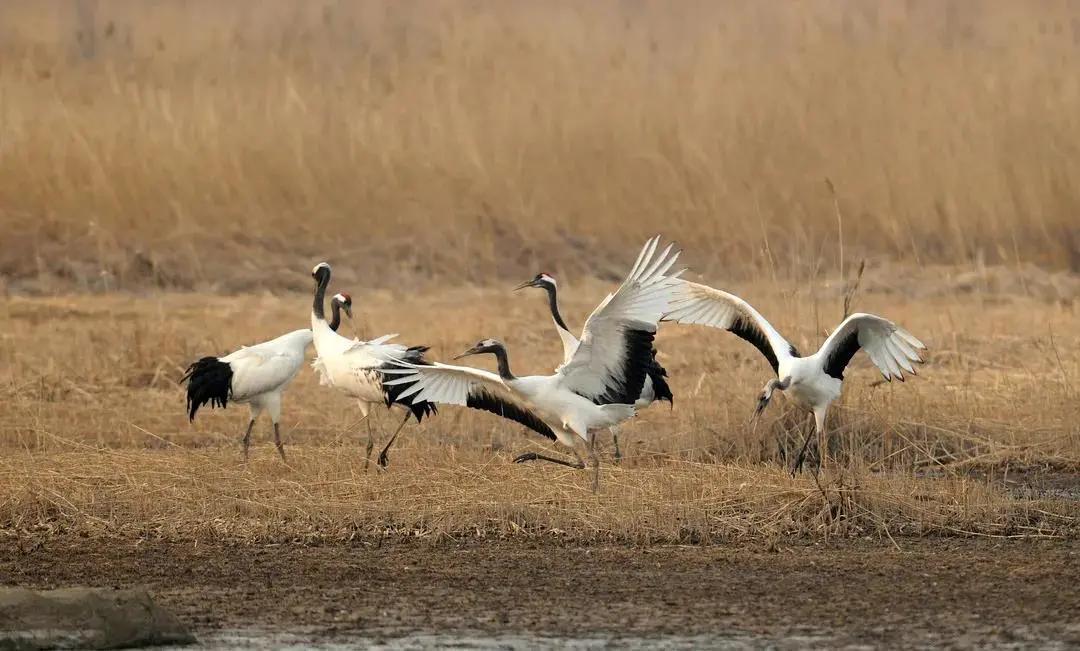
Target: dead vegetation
[
  {"x": 157, "y": 157},
  {"x": 219, "y": 146},
  {"x": 95, "y": 439}
]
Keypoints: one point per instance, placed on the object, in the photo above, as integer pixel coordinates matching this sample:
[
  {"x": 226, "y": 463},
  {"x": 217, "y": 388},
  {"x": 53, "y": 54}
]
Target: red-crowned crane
[
  {"x": 356, "y": 367},
  {"x": 596, "y": 388},
  {"x": 812, "y": 382},
  {"x": 256, "y": 375},
  {"x": 656, "y": 387}
]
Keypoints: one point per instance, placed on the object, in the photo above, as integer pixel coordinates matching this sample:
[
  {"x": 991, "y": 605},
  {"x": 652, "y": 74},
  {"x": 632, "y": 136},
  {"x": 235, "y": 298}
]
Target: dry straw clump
[{"x": 217, "y": 145}]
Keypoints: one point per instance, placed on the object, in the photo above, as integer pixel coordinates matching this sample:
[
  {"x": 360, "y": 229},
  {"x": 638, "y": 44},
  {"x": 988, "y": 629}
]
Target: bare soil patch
[{"x": 956, "y": 591}]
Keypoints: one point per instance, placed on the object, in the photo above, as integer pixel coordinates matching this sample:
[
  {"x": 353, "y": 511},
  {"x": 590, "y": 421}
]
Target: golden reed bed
[{"x": 219, "y": 146}]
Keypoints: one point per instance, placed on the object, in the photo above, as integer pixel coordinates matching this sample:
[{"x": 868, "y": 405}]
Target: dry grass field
[
  {"x": 170, "y": 172},
  {"x": 96, "y": 438}
]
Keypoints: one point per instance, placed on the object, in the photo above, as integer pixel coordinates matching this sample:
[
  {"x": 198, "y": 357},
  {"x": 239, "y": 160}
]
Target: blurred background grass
[{"x": 222, "y": 146}]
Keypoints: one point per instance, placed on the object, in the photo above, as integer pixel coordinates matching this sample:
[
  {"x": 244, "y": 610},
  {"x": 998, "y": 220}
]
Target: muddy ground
[{"x": 961, "y": 592}]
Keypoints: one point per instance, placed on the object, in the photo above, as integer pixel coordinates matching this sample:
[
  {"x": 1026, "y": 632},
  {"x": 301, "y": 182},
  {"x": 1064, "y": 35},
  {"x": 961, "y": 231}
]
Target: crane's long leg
[
  {"x": 596, "y": 464},
  {"x": 247, "y": 438},
  {"x": 615, "y": 439},
  {"x": 383, "y": 459},
  {"x": 277, "y": 441},
  {"x": 370, "y": 443},
  {"x": 819, "y": 426},
  {"x": 533, "y": 456}
]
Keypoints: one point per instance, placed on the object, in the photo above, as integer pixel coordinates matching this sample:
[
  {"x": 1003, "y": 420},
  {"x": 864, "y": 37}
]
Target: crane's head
[
  {"x": 485, "y": 346},
  {"x": 767, "y": 394},
  {"x": 542, "y": 280},
  {"x": 321, "y": 272},
  {"x": 345, "y": 301}
]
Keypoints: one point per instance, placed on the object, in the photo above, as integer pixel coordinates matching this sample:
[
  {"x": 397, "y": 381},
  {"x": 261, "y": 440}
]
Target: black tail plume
[
  {"x": 420, "y": 408},
  {"x": 658, "y": 375},
  {"x": 209, "y": 380}
]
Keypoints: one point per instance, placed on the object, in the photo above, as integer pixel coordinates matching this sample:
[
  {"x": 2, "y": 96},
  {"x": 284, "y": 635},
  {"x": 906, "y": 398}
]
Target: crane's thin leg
[
  {"x": 533, "y": 456},
  {"x": 247, "y": 438},
  {"x": 615, "y": 438},
  {"x": 370, "y": 444},
  {"x": 383, "y": 460},
  {"x": 277, "y": 442},
  {"x": 596, "y": 464},
  {"x": 797, "y": 467}
]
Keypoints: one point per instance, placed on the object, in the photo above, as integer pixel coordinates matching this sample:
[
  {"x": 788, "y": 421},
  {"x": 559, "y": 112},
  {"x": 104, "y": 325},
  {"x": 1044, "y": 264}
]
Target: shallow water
[
  {"x": 251, "y": 639},
  {"x": 1030, "y": 638}
]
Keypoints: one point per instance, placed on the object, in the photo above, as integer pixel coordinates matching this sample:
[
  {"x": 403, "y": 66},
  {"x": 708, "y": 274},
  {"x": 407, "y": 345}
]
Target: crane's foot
[
  {"x": 383, "y": 460},
  {"x": 277, "y": 442}
]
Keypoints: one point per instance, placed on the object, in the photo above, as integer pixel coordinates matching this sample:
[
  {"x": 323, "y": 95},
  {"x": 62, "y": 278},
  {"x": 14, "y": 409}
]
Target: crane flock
[{"x": 606, "y": 375}]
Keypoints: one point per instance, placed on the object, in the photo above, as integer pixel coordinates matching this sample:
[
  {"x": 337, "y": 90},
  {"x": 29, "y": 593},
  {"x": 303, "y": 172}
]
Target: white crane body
[
  {"x": 255, "y": 375},
  {"x": 595, "y": 387},
  {"x": 812, "y": 382},
  {"x": 356, "y": 368}
]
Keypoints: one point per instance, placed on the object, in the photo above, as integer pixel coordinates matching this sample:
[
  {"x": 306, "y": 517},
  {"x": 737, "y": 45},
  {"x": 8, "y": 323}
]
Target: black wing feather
[
  {"x": 841, "y": 354},
  {"x": 747, "y": 329},
  {"x": 658, "y": 375},
  {"x": 392, "y": 392},
  {"x": 209, "y": 380},
  {"x": 480, "y": 398},
  {"x": 638, "y": 358}
]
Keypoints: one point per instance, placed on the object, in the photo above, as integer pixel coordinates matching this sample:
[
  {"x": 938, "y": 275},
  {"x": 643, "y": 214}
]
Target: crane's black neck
[
  {"x": 553, "y": 303},
  {"x": 321, "y": 281},
  {"x": 335, "y": 314},
  {"x": 504, "y": 363}
]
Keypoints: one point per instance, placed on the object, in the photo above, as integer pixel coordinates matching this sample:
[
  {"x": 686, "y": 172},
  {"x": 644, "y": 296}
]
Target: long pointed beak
[
  {"x": 471, "y": 351},
  {"x": 527, "y": 283},
  {"x": 348, "y": 310},
  {"x": 762, "y": 403}
]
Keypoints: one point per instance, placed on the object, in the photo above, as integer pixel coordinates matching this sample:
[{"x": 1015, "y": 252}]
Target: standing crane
[
  {"x": 812, "y": 382},
  {"x": 596, "y": 388},
  {"x": 356, "y": 367},
  {"x": 256, "y": 375},
  {"x": 655, "y": 388}
]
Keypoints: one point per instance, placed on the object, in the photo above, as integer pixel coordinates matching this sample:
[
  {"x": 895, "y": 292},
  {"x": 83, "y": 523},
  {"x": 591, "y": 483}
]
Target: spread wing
[
  {"x": 363, "y": 358},
  {"x": 468, "y": 387},
  {"x": 891, "y": 348},
  {"x": 704, "y": 305},
  {"x": 610, "y": 362}
]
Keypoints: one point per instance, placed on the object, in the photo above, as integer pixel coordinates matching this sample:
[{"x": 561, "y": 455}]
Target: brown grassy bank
[
  {"x": 218, "y": 146},
  {"x": 93, "y": 435}
]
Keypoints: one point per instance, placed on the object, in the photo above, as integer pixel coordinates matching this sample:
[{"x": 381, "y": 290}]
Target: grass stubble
[
  {"x": 112, "y": 453},
  {"x": 170, "y": 171}
]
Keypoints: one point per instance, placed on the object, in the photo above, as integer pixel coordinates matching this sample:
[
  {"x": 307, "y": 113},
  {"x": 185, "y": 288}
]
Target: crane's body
[
  {"x": 655, "y": 386},
  {"x": 595, "y": 387},
  {"x": 812, "y": 382},
  {"x": 356, "y": 367},
  {"x": 255, "y": 375},
  {"x": 568, "y": 413}
]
